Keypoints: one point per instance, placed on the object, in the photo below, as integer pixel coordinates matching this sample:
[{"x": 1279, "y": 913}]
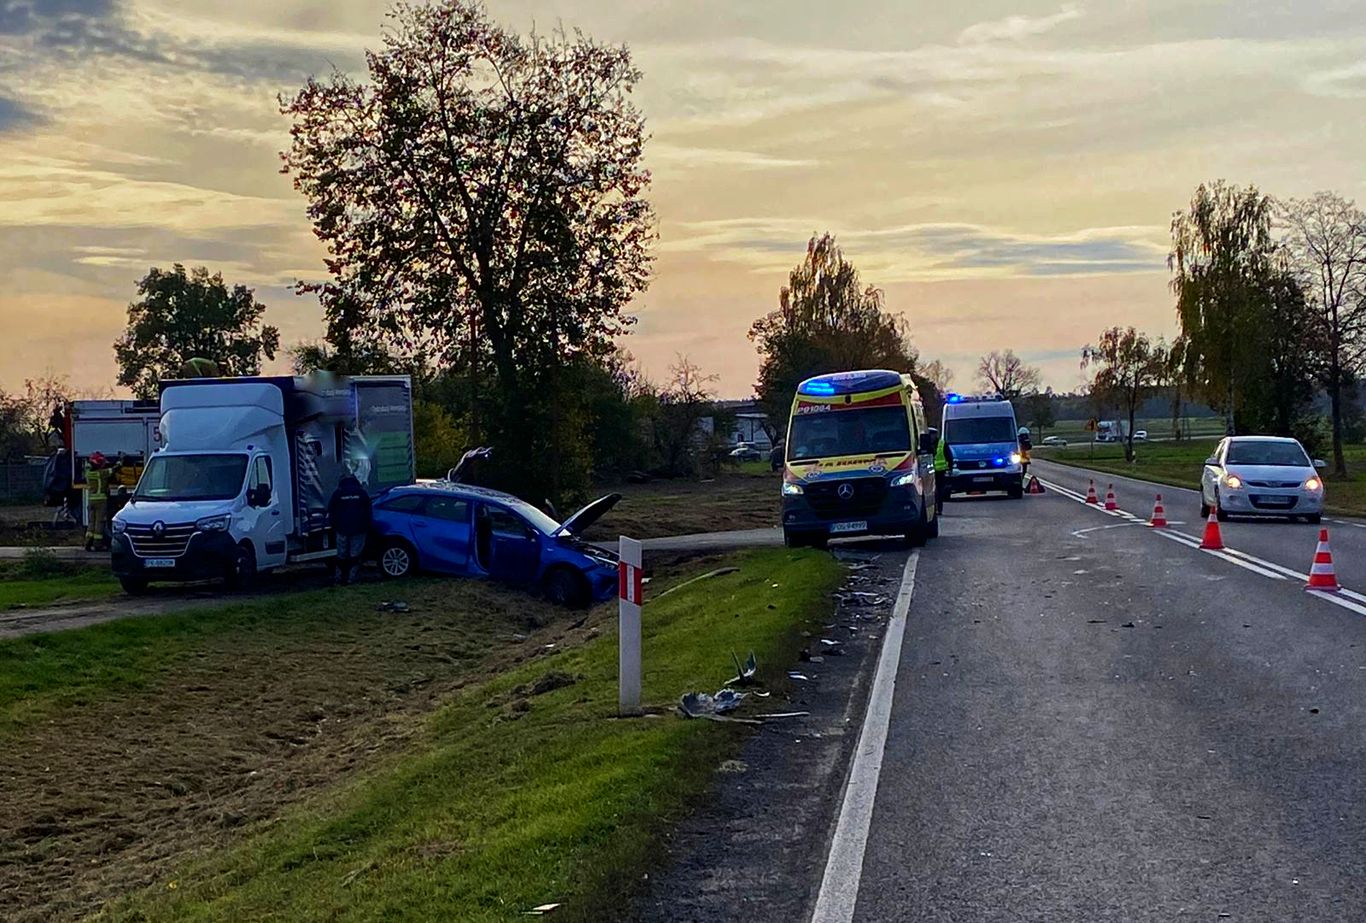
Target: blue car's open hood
[{"x": 590, "y": 514}]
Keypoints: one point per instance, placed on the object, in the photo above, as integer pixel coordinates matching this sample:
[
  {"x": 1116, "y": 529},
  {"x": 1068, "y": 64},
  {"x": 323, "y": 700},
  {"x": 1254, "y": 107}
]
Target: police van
[{"x": 980, "y": 442}]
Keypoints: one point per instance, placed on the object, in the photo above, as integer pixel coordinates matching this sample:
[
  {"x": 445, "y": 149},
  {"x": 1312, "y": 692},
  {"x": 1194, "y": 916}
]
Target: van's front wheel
[
  {"x": 242, "y": 571},
  {"x": 133, "y": 586}
]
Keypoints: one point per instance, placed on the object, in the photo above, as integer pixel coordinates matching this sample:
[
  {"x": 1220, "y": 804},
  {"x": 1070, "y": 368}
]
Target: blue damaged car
[{"x": 451, "y": 528}]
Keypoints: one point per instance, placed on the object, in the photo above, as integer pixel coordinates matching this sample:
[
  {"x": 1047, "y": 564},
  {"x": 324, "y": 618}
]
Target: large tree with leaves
[
  {"x": 1222, "y": 262},
  {"x": 179, "y": 316},
  {"x": 1325, "y": 241},
  {"x": 827, "y": 320},
  {"x": 1129, "y": 367},
  {"x": 482, "y": 199}
]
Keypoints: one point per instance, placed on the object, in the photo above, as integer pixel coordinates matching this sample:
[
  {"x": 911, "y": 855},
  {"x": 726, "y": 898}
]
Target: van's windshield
[
  {"x": 192, "y": 477},
  {"x": 979, "y": 430},
  {"x": 849, "y": 432}
]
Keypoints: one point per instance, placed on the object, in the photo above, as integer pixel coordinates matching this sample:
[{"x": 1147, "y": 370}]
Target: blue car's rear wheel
[{"x": 396, "y": 560}]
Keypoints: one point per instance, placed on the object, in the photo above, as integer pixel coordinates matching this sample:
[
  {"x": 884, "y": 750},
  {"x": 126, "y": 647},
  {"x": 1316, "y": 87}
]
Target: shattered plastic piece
[
  {"x": 745, "y": 674},
  {"x": 801, "y": 677},
  {"x": 785, "y": 714},
  {"x": 542, "y": 910},
  {"x": 701, "y": 705},
  {"x": 393, "y": 606}
]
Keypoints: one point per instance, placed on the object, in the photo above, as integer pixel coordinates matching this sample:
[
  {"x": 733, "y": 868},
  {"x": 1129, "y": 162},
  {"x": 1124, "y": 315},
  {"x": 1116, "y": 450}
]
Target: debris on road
[
  {"x": 713, "y": 707},
  {"x": 393, "y": 606},
  {"x": 746, "y": 674},
  {"x": 542, "y": 910}
]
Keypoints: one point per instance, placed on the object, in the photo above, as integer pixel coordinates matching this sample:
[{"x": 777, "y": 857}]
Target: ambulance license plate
[
  {"x": 848, "y": 527},
  {"x": 159, "y": 562}
]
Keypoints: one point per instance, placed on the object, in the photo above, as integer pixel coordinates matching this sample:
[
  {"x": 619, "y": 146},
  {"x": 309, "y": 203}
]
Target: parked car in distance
[
  {"x": 1140, "y": 435},
  {"x": 1054, "y": 441},
  {"x": 1262, "y": 476},
  {"x": 745, "y": 451},
  {"x": 469, "y": 531}
]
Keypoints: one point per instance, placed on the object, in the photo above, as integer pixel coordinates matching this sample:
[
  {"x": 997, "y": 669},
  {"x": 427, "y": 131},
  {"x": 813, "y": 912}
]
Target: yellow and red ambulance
[{"x": 859, "y": 460}]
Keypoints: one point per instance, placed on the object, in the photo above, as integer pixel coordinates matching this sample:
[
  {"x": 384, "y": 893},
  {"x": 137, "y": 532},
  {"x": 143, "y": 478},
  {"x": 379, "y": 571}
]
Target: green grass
[
  {"x": 40, "y": 580},
  {"x": 510, "y": 800},
  {"x": 1180, "y": 464}
]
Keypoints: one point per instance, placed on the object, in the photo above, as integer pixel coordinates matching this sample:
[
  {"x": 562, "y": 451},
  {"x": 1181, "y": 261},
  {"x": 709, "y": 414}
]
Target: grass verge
[
  {"x": 514, "y": 785},
  {"x": 1180, "y": 464},
  {"x": 40, "y": 580}
]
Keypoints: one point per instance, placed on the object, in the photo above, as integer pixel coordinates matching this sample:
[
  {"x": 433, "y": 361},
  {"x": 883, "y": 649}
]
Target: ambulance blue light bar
[{"x": 849, "y": 383}]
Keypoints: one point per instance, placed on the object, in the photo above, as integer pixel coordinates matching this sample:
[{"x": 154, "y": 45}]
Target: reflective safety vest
[{"x": 941, "y": 461}]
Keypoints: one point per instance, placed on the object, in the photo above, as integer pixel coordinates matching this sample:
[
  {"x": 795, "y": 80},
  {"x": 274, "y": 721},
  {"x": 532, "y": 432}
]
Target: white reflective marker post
[{"x": 629, "y": 585}]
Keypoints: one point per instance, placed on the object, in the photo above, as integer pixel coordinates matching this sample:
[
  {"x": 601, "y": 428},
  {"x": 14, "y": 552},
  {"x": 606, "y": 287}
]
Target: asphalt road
[{"x": 1092, "y": 722}]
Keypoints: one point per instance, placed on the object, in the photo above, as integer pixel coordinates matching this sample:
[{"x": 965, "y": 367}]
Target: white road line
[{"x": 844, "y": 866}]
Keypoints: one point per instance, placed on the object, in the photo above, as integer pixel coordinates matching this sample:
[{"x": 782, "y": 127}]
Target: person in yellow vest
[{"x": 943, "y": 462}]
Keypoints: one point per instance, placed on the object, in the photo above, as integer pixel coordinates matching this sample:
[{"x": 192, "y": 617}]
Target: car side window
[
  {"x": 508, "y": 524},
  {"x": 408, "y": 503},
  {"x": 451, "y": 509}
]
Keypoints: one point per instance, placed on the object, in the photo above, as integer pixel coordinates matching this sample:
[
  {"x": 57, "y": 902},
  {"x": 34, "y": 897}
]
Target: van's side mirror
[
  {"x": 1320, "y": 463},
  {"x": 259, "y": 496},
  {"x": 929, "y": 441}
]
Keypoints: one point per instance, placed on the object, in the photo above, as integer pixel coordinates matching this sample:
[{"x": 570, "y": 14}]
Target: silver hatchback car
[{"x": 1262, "y": 476}]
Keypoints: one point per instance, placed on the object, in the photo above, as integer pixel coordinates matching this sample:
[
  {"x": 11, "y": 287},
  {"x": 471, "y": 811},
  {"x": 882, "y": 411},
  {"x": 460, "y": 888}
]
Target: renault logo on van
[
  {"x": 158, "y": 528},
  {"x": 846, "y": 491}
]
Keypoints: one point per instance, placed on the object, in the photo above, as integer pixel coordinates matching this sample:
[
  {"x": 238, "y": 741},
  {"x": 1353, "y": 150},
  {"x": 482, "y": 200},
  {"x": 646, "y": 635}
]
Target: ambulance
[{"x": 859, "y": 460}]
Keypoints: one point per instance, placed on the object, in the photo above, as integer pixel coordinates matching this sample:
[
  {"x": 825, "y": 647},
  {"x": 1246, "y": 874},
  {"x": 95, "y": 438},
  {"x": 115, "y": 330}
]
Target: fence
[{"x": 21, "y": 482}]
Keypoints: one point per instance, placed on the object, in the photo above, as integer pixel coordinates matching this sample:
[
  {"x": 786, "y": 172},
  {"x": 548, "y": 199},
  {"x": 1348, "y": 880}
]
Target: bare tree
[
  {"x": 1007, "y": 374},
  {"x": 1325, "y": 239},
  {"x": 937, "y": 374}
]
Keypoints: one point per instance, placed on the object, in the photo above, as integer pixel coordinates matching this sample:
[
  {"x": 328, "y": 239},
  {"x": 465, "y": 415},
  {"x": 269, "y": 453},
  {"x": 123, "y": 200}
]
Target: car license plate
[
  {"x": 848, "y": 527},
  {"x": 159, "y": 562},
  {"x": 1275, "y": 501},
  {"x": 985, "y": 480}
]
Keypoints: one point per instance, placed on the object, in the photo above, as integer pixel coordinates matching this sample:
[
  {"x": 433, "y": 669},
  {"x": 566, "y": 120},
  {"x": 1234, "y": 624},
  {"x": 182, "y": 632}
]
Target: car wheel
[
  {"x": 1016, "y": 493},
  {"x": 1219, "y": 512},
  {"x": 396, "y": 560},
  {"x": 1314, "y": 518},
  {"x": 133, "y": 586},
  {"x": 564, "y": 587},
  {"x": 242, "y": 571},
  {"x": 1204, "y": 508},
  {"x": 919, "y": 533},
  {"x": 793, "y": 540}
]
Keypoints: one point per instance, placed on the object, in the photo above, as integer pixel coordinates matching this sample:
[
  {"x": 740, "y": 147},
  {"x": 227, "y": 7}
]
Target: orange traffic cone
[
  {"x": 1091, "y": 493},
  {"x": 1034, "y": 486},
  {"x": 1321, "y": 576},
  {"x": 1212, "y": 540},
  {"x": 1159, "y": 520},
  {"x": 1110, "y": 502}
]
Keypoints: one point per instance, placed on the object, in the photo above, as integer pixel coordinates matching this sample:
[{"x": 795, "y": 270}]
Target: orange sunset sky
[{"x": 1005, "y": 171}]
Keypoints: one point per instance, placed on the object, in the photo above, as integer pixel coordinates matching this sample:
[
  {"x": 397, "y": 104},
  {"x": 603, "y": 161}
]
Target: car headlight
[
  {"x": 792, "y": 489},
  {"x": 901, "y": 480},
  {"x": 119, "y": 526},
  {"x": 1015, "y": 458},
  {"x": 1313, "y": 484},
  {"x": 1233, "y": 481},
  {"x": 214, "y": 523}
]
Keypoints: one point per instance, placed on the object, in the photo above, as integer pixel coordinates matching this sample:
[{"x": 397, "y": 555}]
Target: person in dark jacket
[{"x": 350, "y": 514}]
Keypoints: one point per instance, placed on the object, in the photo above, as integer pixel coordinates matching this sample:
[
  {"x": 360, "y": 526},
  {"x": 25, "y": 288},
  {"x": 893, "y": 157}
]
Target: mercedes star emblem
[{"x": 846, "y": 491}]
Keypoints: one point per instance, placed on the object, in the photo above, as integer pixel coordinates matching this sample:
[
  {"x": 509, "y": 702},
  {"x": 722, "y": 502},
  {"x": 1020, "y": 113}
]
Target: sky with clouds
[{"x": 1006, "y": 171}]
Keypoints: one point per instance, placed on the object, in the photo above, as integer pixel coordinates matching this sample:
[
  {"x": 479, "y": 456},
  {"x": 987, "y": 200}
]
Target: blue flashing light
[
  {"x": 952, "y": 398},
  {"x": 850, "y": 383},
  {"x": 1000, "y": 462}
]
